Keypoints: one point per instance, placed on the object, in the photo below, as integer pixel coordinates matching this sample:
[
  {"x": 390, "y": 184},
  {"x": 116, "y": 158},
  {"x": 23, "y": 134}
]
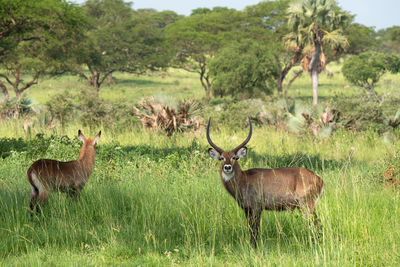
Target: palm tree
[{"x": 315, "y": 24}]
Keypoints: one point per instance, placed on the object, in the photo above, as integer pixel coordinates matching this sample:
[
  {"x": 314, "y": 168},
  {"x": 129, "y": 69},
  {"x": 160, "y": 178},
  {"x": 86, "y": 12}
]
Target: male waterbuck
[
  {"x": 47, "y": 174},
  {"x": 270, "y": 189}
]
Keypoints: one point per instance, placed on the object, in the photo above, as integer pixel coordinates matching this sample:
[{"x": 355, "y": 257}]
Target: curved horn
[
  {"x": 209, "y": 139},
  {"x": 245, "y": 141}
]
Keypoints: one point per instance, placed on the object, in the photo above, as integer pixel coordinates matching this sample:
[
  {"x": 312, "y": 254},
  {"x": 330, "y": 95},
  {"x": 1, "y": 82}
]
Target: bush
[
  {"x": 366, "y": 69},
  {"x": 16, "y": 107},
  {"x": 243, "y": 70},
  {"x": 363, "y": 113},
  {"x": 61, "y": 107},
  {"x": 232, "y": 112},
  {"x": 94, "y": 110},
  {"x": 293, "y": 116},
  {"x": 157, "y": 115}
]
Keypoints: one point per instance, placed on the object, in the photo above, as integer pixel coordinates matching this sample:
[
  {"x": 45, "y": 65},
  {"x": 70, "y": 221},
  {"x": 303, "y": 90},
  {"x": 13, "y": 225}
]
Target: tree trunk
[
  {"x": 284, "y": 72},
  {"x": 16, "y": 83},
  {"x": 95, "y": 80},
  {"x": 5, "y": 92},
  {"x": 314, "y": 78},
  {"x": 110, "y": 79},
  {"x": 205, "y": 82},
  {"x": 279, "y": 85},
  {"x": 282, "y": 76},
  {"x": 17, "y": 93},
  {"x": 296, "y": 75},
  {"x": 315, "y": 68}
]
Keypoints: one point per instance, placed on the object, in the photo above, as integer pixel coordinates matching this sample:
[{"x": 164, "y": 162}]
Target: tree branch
[{"x": 29, "y": 84}]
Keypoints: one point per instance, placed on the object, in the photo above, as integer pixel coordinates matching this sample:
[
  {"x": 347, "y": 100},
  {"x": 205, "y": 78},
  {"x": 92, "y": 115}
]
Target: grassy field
[
  {"x": 179, "y": 84},
  {"x": 154, "y": 200}
]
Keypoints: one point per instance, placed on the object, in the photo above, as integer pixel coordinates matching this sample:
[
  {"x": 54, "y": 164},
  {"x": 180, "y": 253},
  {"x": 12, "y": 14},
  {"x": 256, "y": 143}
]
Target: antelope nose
[{"x": 227, "y": 167}]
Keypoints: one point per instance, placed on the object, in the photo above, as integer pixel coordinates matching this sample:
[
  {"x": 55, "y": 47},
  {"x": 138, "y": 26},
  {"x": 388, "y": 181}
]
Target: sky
[{"x": 377, "y": 13}]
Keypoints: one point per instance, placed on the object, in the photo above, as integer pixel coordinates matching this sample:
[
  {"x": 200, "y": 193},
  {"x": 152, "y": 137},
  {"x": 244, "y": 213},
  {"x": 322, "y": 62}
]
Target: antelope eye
[
  {"x": 235, "y": 157},
  {"x": 221, "y": 158}
]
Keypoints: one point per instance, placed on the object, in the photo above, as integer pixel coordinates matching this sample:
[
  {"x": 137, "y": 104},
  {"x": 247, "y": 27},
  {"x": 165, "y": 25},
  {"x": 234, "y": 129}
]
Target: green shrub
[
  {"x": 16, "y": 107},
  {"x": 94, "y": 111},
  {"x": 233, "y": 113},
  {"x": 366, "y": 69},
  {"x": 243, "y": 70},
  {"x": 61, "y": 107}
]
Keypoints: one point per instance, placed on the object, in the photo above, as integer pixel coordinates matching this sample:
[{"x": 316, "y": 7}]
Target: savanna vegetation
[{"x": 324, "y": 98}]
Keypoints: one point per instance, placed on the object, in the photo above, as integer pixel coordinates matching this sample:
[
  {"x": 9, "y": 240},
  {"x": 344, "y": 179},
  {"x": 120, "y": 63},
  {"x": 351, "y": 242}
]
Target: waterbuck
[
  {"x": 47, "y": 174},
  {"x": 257, "y": 189}
]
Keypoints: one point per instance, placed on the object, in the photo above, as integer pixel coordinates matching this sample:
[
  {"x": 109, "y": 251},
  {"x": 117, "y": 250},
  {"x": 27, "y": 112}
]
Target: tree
[
  {"x": 243, "y": 69},
  {"x": 19, "y": 19},
  {"x": 197, "y": 38},
  {"x": 365, "y": 69},
  {"x": 205, "y": 10},
  {"x": 390, "y": 40},
  {"x": 315, "y": 23},
  {"x": 120, "y": 39},
  {"x": 41, "y": 47},
  {"x": 267, "y": 22},
  {"x": 163, "y": 18},
  {"x": 361, "y": 38}
]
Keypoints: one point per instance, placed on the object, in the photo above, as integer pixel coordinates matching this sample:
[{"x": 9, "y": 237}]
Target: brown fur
[
  {"x": 272, "y": 189},
  {"x": 258, "y": 189},
  {"x": 45, "y": 175}
]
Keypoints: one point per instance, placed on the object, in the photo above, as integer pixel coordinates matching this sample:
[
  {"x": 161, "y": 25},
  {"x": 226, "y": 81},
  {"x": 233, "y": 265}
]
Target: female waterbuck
[
  {"x": 270, "y": 189},
  {"x": 47, "y": 174}
]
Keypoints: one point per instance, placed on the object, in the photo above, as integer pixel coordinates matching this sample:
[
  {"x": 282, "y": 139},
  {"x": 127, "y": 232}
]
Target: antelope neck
[{"x": 87, "y": 158}]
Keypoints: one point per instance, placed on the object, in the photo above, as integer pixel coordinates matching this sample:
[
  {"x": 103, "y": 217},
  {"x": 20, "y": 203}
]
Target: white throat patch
[{"x": 227, "y": 176}]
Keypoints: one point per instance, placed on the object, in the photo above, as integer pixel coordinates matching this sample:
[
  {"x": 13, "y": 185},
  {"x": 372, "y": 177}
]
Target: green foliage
[
  {"x": 37, "y": 21},
  {"x": 361, "y": 38},
  {"x": 16, "y": 107},
  {"x": 61, "y": 107},
  {"x": 88, "y": 108},
  {"x": 40, "y": 146},
  {"x": 365, "y": 113},
  {"x": 271, "y": 15},
  {"x": 366, "y": 69},
  {"x": 233, "y": 112},
  {"x": 94, "y": 111},
  {"x": 316, "y": 25},
  {"x": 121, "y": 39},
  {"x": 393, "y": 64},
  {"x": 244, "y": 69},
  {"x": 35, "y": 43},
  {"x": 390, "y": 40},
  {"x": 317, "y": 22},
  {"x": 204, "y": 10},
  {"x": 197, "y": 38}
]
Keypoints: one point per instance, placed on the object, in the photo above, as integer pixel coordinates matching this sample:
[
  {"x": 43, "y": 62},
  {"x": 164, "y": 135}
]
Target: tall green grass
[{"x": 154, "y": 200}]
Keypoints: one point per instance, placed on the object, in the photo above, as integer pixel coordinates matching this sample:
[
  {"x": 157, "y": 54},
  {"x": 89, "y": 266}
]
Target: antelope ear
[
  {"x": 214, "y": 154},
  {"x": 97, "y": 137},
  {"x": 241, "y": 152},
  {"x": 81, "y": 136}
]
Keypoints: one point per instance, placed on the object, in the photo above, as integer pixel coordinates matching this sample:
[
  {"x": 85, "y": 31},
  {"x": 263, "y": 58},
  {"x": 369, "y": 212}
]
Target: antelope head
[
  {"x": 88, "y": 149},
  {"x": 229, "y": 160}
]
